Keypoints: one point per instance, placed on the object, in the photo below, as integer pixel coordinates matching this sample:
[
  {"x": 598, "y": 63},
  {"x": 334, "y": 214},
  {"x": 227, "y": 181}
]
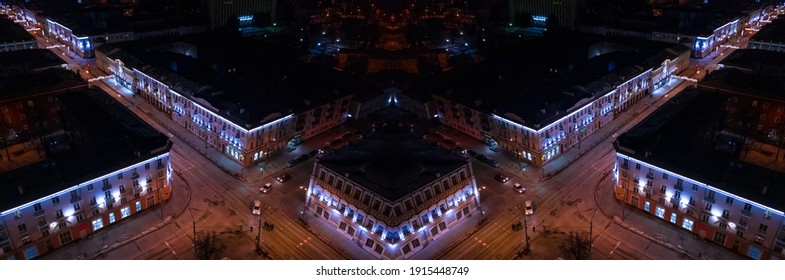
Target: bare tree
[
  {"x": 577, "y": 245},
  {"x": 207, "y": 245}
]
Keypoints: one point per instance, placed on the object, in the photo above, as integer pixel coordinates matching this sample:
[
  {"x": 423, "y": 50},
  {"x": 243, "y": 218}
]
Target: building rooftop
[
  {"x": 737, "y": 81},
  {"x": 246, "y": 81},
  {"x": 112, "y": 19},
  {"x": 45, "y": 82},
  {"x": 773, "y": 32},
  {"x": 688, "y": 136},
  {"x": 532, "y": 86},
  {"x": 30, "y": 58},
  {"x": 11, "y": 32},
  {"x": 105, "y": 137},
  {"x": 754, "y": 59},
  {"x": 392, "y": 161}
]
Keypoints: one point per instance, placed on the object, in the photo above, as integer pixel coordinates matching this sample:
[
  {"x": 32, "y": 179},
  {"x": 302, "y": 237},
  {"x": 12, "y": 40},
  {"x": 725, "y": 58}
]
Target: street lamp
[
  {"x": 591, "y": 237},
  {"x": 193, "y": 222},
  {"x": 525, "y": 230}
]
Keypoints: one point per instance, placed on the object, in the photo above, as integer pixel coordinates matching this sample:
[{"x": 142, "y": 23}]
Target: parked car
[
  {"x": 257, "y": 207},
  {"x": 489, "y": 161},
  {"x": 266, "y": 187},
  {"x": 313, "y": 153},
  {"x": 529, "y": 208},
  {"x": 502, "y": 178},
  {"x": 303, "y": 157},
  {"x": 471, "y": 153},
  {"x": 283, "y": 177},
  {"x": 518, "y": 187}
]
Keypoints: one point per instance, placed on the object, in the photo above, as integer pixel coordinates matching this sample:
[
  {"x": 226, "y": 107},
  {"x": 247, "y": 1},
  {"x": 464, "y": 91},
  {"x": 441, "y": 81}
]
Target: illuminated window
[
  {"x": 687, "y": 224},
  {"x": 98, "y": 224},
  {"x": 111, "y": 218},
  {"x": 646, "y": 206},
  {"x": 125, "y": 212},
  {"x": 673, "y": 218},
  {"x": 660, "y": 212},
  {"x": 138, "y": 206}
]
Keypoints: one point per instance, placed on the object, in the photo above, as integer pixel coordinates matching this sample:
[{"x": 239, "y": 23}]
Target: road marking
[
  {"x": 614, "y": 248},
  {"x": 170, "y": 248}
]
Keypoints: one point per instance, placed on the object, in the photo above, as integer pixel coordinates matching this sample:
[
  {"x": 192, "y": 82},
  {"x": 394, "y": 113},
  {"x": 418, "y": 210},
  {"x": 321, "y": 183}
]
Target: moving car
[
  {"x": 502, "y": 178},
  {"x": 283, "y": 177},
  {"x": 529, "y": 210},
  {"x": 257, "y": 207},
  {"x": 518, "y": 187},
  {"x": 266, "y": 187}
]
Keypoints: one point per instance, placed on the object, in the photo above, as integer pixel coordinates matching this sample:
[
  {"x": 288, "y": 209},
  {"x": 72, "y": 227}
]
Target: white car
[
  {"x": 257, "y": 207},
  {"x": 266, "y": 187},
  {"x": 518, "y": 187},
  {"x": 529, "y": 209}
]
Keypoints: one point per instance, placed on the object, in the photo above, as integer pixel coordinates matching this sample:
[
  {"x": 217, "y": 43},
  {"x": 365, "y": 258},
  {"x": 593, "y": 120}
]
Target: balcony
[
  {"x": 135, "y": 176},
  {"x": 746, "y": 213},
  {"x": 650, "y": 176},
  {"x": 678, "y": 188},
  {"x": 106, "y": 187}
]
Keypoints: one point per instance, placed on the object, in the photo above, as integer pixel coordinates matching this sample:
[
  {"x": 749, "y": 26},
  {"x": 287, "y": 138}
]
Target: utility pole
[
  {"x": 591, "y": 237},
  {"x": 259, "y": 229}
]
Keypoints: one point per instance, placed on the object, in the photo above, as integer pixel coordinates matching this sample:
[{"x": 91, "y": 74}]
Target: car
[
  {"x": 492, "y": 162},
  {"x": 313, "y": 153},
  {"x": 482, "y": 157},
  {"x": 529, "y": 208},
  {"x": 471, "y": 153},
  {"x": 292, "y": 162},
  {"x": 303, "y": 157},
  {"x": 283, "y": 177},
  {"x": 502, "y": 178},
  {"x": 518, "y": 187},
  {"x": 266, "y": 187},
  {"x": 257, "y": 207}
]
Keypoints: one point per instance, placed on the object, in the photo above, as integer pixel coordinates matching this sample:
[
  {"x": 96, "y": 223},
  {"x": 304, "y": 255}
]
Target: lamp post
[
  {"x": 591, "y": 227},
  {"x": 193, "y": 222},
  {"x": 259, "y": 229},
  {"x": 525, "y": 229}
]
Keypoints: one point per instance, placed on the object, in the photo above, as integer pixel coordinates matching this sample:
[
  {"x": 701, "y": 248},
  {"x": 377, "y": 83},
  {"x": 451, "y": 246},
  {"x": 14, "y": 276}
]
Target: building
[
  {"x": 13, "y": 37},
  {"x": 392, "y": 192},
  {"x": 102, "y": 166},
  {"x": 28, "y": 109},
  {"x": 228, "y": 13},
  {"x": 771, "y": 37},
  {"x": 242, "y": 101},
  {"x": 28, "y": 61},
  {"x": 562, "y": 11},
  {"x": 81, "y": 30},
  {"x": 756, "y": 61},
  {"x": 701, "y": 163},
  {"x": 540, "y": 111}
]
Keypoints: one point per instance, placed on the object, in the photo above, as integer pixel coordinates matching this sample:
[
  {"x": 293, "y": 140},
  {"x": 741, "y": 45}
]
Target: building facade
[
  {"x": 222, "y": 13},
  {"x": 539, "y": 145},
  {"x": 563, "y": 11}
]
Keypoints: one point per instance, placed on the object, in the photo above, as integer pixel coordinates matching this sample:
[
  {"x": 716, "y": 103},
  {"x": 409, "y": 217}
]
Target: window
[
  {"x": 719, "y": 237},
  {"x": 442, "y": 226},
  {"x": 406, "y": 249},
  {"x": 342, "y": 226},
  {"x": 729, "y": 200},
  {"x": 638, "y": 166},
  {"x": 660, "y": 212},
  {"x": 138, "y": 206},
  {"x": 79, "y": 218},
  {"x": 22, "y": 228},
  {"x": 673, "y": 218},
  {"x": 415, "y": 243},
  {"x": 98, "y": 224},
  {"x": 146, "y": 166},
  {"x": 17, "y": 215},
  {"x": 45, "y": 233},
  {"x": 665, "y": 176},
  {"x": 90, "y": 187},
  {"x": 705, "y": 218},
  {"x": 723, "y": 225},
  {"x": 762, "y": 228},
  {"x": 111, "y": 218},
  {"x": 59, "y": 213},
  {"x": 369, "y": 242},
  {"x": 77, "y": 206},
  {"x": 726, "y": 214},
  {"x": 687, "y": 224},
  {"x": 350, "y": 231},
  {"x": 434, "y": 231},
  {"x": 94, "y": 212},
  {"x": 122, "y": 189},
  {"x": 759, "y": 240},
  {"x": 319, "y": 210},
  {"x": 37, "y": 207},
  {"x": 767, "y": 214},
  {"x": 120, "y": 176},
  {"x": 125, "y": 212},
  {"x": 378, "y": 249},
  {"x": 692, "y": 201},
  {"x": 708, "y": 206},
  {"x": 61, "y": 225},
  {"x": 747, "y": 207},
  {"x": 56, "y": 200},
  {"x": 93, "y": 201},
  {"x": 646, "y": 206},
  {"x": 65, "y": 237},
  {"x": 663, "y": 189},
  {"x": 694, "y": 187}
]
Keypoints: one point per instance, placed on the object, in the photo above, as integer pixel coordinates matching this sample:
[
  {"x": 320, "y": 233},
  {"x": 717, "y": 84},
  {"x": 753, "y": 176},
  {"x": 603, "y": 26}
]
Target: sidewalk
[{"x": 137, "y": 226}]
